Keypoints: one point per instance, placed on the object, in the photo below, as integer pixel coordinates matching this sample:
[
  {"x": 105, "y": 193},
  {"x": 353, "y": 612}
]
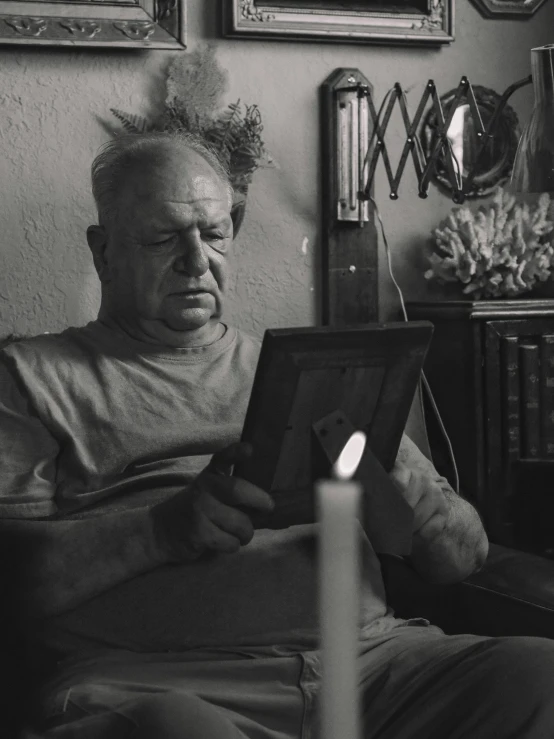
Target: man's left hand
[
  {"x": 449, "y": 541},
  {"x": 424, "y": 495}
]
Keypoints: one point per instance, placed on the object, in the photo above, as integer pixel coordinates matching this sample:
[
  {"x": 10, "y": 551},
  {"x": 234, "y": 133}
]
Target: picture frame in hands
[{"x": 330, "y": 380}]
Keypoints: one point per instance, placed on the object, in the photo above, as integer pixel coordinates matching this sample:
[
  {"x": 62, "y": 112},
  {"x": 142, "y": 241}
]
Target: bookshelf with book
[
  {"x": 511, "y": 396},
  {"x": 491, "y": 369},
  {"x": 547, "y": 395},
  {"x": 530, "y": 399}
]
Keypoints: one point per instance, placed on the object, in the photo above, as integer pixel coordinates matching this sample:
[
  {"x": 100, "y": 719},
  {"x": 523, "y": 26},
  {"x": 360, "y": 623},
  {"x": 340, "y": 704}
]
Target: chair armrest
[{"x": 512, "y": 595}]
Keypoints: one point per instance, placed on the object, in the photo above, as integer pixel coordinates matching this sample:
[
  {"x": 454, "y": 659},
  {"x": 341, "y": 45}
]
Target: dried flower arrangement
[
  {"x": 195, "y": 83},
  {"x": 501, "y": 250}
]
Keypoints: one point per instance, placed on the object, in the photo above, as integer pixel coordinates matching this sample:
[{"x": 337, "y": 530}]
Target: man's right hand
[{"x": 210, "y": 514}]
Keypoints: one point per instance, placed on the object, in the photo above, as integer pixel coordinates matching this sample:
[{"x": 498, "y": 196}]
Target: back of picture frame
[{"x": 367, "y": 373}]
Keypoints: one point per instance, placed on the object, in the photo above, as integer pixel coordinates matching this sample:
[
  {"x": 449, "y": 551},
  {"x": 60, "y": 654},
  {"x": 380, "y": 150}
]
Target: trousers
[{"x": 415, "y": 682}]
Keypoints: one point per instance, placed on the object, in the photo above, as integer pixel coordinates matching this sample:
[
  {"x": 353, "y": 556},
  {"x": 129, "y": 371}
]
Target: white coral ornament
[{"x": 501, "y": 250}]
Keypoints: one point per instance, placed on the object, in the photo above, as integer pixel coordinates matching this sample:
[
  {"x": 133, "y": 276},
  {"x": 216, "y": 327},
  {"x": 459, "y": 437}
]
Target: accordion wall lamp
[{"x": 354, "y": 139}]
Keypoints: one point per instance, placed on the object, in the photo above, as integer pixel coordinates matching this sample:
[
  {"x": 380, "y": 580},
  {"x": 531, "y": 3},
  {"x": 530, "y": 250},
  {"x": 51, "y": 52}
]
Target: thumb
[
  {"x": 223, "y": 460},
  {"x": 401, "y": 475}
]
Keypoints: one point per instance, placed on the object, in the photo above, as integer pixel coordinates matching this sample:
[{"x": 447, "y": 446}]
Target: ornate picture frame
[
  {"x": 129, "y": 24},
  {"x": 508, "y": 8},
  {"x": 422, "y": 22}
]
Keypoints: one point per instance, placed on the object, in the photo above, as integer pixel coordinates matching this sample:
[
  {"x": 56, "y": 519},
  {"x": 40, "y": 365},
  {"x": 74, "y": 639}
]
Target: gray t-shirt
[{"x": 91, "y": 417}]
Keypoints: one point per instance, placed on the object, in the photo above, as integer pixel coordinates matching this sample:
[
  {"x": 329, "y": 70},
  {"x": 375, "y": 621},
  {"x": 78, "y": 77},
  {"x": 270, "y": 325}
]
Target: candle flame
[{"x": 350, "y": 457}]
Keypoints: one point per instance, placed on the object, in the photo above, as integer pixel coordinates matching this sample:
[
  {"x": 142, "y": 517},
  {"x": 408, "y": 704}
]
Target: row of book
[{"x": 528, "y": 396}]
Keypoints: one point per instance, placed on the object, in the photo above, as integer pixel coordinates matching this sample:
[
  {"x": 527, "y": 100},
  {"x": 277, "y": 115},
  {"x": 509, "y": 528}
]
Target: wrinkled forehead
[{"x": 173, "y": 176}]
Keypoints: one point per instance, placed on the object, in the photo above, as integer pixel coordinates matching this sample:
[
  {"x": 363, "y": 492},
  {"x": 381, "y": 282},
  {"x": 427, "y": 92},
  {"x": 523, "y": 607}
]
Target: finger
[
  {"x": 401, "y": 475},
  {"x": 430, "y": 503},
  {"x": 405, "y": 480},
  {"x": 229, "y": 519},
  {"x": 237, "y": 492},
  {"x": 423, "y": 513},
  {"x": 223, "y": 460},
  {"x": 432, "y": 527},
  {"x": 214, "y": 538}
]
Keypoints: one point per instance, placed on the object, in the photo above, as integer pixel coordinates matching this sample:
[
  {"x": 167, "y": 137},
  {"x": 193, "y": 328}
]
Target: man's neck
[{"x": 158, "y": 333}]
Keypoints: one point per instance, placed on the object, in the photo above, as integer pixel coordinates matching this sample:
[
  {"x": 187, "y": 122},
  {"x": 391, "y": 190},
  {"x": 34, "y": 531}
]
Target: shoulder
[
  {"x": 30, "y": 366},
  {"x": 42, "y": 346},
  {"x": 46, "y": 359}
]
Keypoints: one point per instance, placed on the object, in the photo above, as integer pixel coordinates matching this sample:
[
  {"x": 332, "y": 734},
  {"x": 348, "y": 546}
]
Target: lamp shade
[{"x": 533, "y": 169}]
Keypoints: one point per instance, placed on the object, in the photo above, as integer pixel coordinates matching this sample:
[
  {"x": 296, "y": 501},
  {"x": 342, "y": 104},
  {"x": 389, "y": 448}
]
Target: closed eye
[
  {"x": 217, "y": 241},
  {"x": 161, "y": 242}
]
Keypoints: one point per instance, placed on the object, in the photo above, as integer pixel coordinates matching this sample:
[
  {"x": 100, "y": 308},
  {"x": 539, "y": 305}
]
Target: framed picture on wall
[
  {"x": 131, "y": 24},
  {"x": 423, "y": 22},
  {"x": 515, "y": 9}
]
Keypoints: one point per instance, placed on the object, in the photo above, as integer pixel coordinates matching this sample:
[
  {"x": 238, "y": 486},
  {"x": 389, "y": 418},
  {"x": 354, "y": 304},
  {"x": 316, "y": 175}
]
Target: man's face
[{"x": 167, "y": 249}]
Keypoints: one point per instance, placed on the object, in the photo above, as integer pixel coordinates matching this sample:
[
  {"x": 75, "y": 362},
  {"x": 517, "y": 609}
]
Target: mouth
[{"x": 185, "y": 293}]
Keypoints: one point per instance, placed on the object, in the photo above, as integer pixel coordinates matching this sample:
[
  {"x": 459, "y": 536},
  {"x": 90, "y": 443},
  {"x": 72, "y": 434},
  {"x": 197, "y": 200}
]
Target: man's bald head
[{"x": 127, "y": 159}]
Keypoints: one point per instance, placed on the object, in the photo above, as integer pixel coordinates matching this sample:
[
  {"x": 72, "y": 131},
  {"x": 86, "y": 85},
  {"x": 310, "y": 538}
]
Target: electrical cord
[{"x": 423, "y": 377}]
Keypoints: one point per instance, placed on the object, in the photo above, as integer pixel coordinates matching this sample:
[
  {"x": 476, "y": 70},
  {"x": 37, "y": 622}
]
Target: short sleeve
[{"x": 28, "y": 453}]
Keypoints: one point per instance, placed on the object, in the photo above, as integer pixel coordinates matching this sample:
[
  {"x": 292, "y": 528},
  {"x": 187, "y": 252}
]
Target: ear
[{"x": 98, "y": 240}]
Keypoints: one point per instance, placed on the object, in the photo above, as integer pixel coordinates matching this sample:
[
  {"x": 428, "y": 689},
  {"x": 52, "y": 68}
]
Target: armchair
[{"x": 512, "y": 595}]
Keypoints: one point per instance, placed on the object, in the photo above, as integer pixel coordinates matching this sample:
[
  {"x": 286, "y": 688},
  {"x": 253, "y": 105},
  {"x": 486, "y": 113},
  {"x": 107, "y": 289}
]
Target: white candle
[{"x": 338, "y": 505}]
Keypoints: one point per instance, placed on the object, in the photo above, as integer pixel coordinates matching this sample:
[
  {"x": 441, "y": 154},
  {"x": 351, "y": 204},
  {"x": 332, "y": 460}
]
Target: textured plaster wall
[{"x": 51, "y": 103}]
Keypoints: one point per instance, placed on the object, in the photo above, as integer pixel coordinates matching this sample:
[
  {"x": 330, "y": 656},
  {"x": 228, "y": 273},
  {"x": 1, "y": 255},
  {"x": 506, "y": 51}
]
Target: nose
[{"x": 192, "y": 259}]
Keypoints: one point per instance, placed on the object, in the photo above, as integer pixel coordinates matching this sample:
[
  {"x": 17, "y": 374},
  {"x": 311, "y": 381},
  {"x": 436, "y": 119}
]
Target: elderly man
[{"x": 168, "y": 616}]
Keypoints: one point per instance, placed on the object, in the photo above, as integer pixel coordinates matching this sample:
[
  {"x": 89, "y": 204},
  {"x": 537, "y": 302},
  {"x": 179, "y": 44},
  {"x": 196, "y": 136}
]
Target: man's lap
[
  {"x": 415, "y": 682},
  {"x": 237, "y": 695},
  {"x": 424, "y": 684}
]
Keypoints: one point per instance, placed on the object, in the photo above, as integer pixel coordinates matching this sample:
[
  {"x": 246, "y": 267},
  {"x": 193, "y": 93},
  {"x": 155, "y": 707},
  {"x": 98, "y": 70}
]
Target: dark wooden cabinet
[{"x": 491, "y": 371}]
